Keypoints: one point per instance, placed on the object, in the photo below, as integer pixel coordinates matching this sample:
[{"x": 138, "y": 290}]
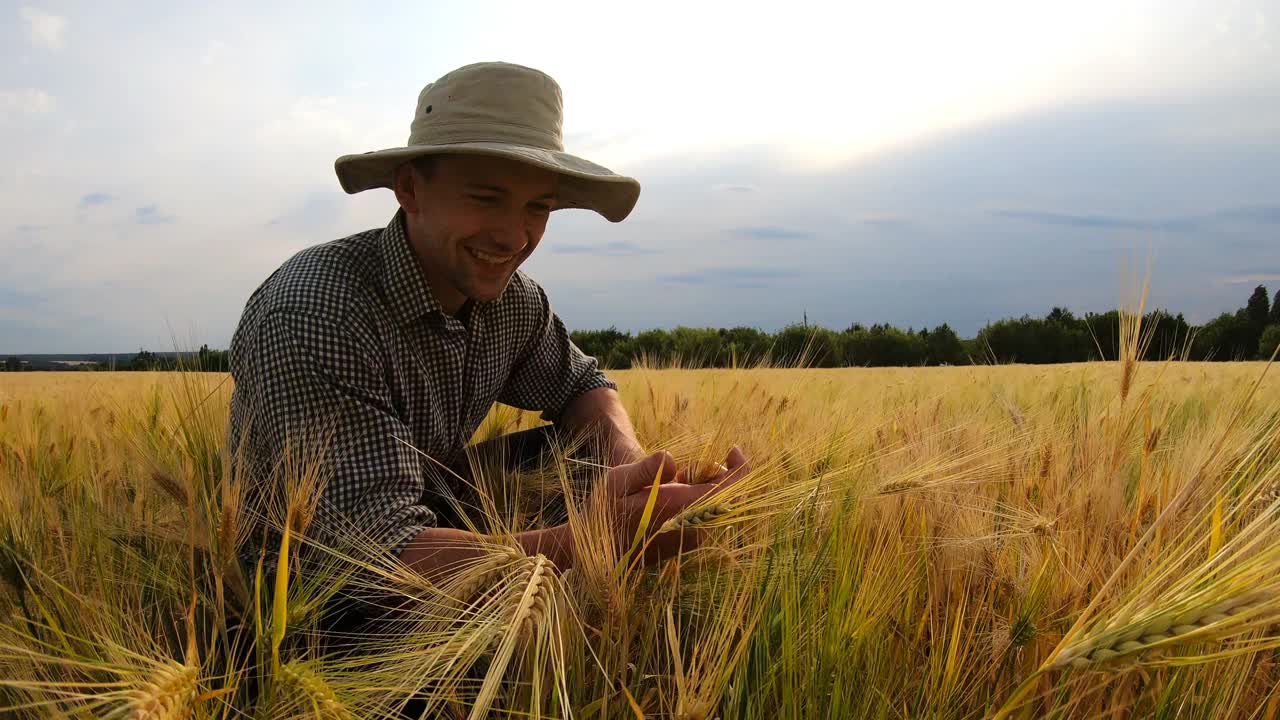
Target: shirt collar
[
  {"x": 408, "y": 292},
  {"x": 407, "y": 289}
]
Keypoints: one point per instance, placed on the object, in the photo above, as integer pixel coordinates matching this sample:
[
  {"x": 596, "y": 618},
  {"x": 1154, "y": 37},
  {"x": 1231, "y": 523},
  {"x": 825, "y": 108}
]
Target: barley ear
[
  {"x": 323, "y": 700},
  {"x": 530, "y": 598},
  {"x": 695, "y": 517},
  {"x": 167, "y": 694},
  {"x": 1158, "y": 633}
]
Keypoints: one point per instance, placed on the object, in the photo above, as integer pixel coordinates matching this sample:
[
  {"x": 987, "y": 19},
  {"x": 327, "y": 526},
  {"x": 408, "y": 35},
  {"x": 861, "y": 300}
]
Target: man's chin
[{"x": 488, "y": 292}]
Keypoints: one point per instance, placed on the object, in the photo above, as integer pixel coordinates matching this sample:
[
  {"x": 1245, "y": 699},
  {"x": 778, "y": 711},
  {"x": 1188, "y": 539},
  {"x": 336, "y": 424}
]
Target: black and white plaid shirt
[{"x": 347, "y": 336}]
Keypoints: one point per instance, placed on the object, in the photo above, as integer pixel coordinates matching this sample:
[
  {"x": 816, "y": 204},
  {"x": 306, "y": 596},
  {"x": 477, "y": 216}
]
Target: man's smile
[{"x": 490, "y": 258}]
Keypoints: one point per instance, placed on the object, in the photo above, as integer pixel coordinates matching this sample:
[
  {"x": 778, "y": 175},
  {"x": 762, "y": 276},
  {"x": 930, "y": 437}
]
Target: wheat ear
[
  {"x": 532, "y": 598},
  {"x": 481, "y": 575},
  {"x": 695, "y": 517},
  {"x": 322, "y": 698},
  {"x": 167, "y": 694},
  {"x": 892, "y": 487},
  {"x": 530, "y": 607},
  {"x": 1164, "y": 629}
]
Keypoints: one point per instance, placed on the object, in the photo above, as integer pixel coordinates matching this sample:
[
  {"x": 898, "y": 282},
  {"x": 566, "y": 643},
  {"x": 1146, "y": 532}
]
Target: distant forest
[{"x": 1250, "y": 333}]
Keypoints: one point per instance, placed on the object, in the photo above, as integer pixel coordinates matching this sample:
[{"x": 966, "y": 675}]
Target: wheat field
[{"x": 1095, "y": 540}]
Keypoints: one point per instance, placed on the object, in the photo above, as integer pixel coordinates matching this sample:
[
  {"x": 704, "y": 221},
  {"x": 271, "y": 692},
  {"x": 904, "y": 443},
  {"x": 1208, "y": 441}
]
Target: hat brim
[{"x": 583, "y": 183}]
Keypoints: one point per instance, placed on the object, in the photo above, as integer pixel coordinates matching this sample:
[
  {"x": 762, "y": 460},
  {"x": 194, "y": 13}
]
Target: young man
[{"x": 406, "y": 335}]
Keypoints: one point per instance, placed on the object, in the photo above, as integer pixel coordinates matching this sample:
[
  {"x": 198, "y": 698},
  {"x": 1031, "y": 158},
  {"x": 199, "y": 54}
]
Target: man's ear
[{"x": 405, "y": 187}]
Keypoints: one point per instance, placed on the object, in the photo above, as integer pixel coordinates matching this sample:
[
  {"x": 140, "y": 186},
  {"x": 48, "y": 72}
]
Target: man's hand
[
  {"x": 713, "y": 472},
  {"x": 437, "y": 552},
  {"x": 627, "y": 487}
]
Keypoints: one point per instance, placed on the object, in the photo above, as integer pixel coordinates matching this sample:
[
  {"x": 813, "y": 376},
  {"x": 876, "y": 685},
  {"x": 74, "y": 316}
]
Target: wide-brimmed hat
[{"x": 497, "y": 109}]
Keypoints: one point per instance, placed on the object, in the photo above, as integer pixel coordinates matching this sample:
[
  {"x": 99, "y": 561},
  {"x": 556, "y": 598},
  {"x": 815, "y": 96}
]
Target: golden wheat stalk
[
  {"x": 319, "y": 696},
  {"x": 1186, "y": 597},
  {"x": 501, "y": 605},
  {"x": 696, "y": 516},
  {"x": 1162, "y": 631},
  {"x": 145, "y": 689},
  {"x": 474, "y": 579},
  {"x": 166, "y": 695},
  {"x": 529, "y": 607}
]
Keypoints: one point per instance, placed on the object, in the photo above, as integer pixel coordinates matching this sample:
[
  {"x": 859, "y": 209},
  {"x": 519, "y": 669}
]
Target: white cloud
[
  {"x": 46, "y": 30},
  {"x": 214, "y": 52},
  {"x": 226, "y": 123},
  {"x": 24, "y": 102},
  {"x": 307, "y": 120}
]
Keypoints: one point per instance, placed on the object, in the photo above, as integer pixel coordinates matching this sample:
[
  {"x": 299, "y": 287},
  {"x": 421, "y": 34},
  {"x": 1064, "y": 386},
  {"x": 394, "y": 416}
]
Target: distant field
[{"x": 914, "y": 542}]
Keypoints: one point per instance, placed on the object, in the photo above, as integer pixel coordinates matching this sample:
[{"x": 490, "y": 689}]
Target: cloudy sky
[{"x": 913, "y": 162}]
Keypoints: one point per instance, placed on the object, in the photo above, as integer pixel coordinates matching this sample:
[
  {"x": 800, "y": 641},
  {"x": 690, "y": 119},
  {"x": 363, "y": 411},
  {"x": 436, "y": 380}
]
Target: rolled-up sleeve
[
  {"x": 312, "y": 379},
  {"x": 552, "y": 370}
]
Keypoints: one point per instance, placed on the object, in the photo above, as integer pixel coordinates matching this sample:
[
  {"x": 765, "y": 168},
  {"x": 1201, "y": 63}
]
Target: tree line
[
  {"x": 204, "y": 360},
  {"x": 1251, "y": 332},
  {"x": 1061, "y": 336}
]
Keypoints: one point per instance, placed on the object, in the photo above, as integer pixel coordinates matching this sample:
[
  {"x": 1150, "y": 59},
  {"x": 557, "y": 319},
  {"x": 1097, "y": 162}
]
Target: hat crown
[
  {"x": 490, "y": 102},
  {"x": 501, "y": 110}
]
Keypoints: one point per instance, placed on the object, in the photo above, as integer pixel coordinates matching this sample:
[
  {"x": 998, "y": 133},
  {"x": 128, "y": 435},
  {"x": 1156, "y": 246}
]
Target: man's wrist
[
  {"x": 624, "y": 450},
  {"x": 556, "y": 543},
  {"x": 600, "y": 415}
]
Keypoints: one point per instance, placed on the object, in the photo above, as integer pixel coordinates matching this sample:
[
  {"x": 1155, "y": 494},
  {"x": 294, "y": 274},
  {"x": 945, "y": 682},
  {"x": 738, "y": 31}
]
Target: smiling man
[{"x": 406, "y": 335}]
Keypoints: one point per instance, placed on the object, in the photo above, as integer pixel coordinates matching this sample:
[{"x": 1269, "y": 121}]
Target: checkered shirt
[{"x": 346, "y": 337}]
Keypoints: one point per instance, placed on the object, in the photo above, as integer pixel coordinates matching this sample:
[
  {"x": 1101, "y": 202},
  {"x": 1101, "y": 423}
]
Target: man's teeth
[{"x": 490, "y": 258}]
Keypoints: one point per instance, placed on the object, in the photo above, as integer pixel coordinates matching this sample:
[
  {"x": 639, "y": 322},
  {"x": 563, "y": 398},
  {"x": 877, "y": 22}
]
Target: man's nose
[{"x": 511, "y": 235}]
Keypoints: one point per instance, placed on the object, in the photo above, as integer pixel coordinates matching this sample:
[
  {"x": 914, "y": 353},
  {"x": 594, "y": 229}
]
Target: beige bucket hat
[{"x": 498, "y": 109}]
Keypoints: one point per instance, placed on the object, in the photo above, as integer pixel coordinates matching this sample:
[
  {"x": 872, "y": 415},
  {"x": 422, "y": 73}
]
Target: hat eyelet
[{"x": 427, "y": 111}]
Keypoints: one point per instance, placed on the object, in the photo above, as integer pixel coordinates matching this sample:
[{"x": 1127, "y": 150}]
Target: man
[{"x": 406, "y": 335}]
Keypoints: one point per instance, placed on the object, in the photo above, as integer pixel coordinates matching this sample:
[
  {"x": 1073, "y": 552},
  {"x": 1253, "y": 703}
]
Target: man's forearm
[
  {"x": 436, "y": 553},
  {"x": 600, "y": 414}
]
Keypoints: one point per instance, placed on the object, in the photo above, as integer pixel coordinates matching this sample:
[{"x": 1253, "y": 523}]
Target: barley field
[{"x": 1095, "y": 540}]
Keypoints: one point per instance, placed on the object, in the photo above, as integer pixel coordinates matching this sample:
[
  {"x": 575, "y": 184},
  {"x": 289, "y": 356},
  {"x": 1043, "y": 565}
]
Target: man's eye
[
  {"x": 486, "y": 199},
  {"x": 541, "y": 208}
]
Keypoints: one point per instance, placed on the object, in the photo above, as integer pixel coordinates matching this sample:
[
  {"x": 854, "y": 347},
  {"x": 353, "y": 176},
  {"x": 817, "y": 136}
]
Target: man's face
[{"x": 473, "y": 220}]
